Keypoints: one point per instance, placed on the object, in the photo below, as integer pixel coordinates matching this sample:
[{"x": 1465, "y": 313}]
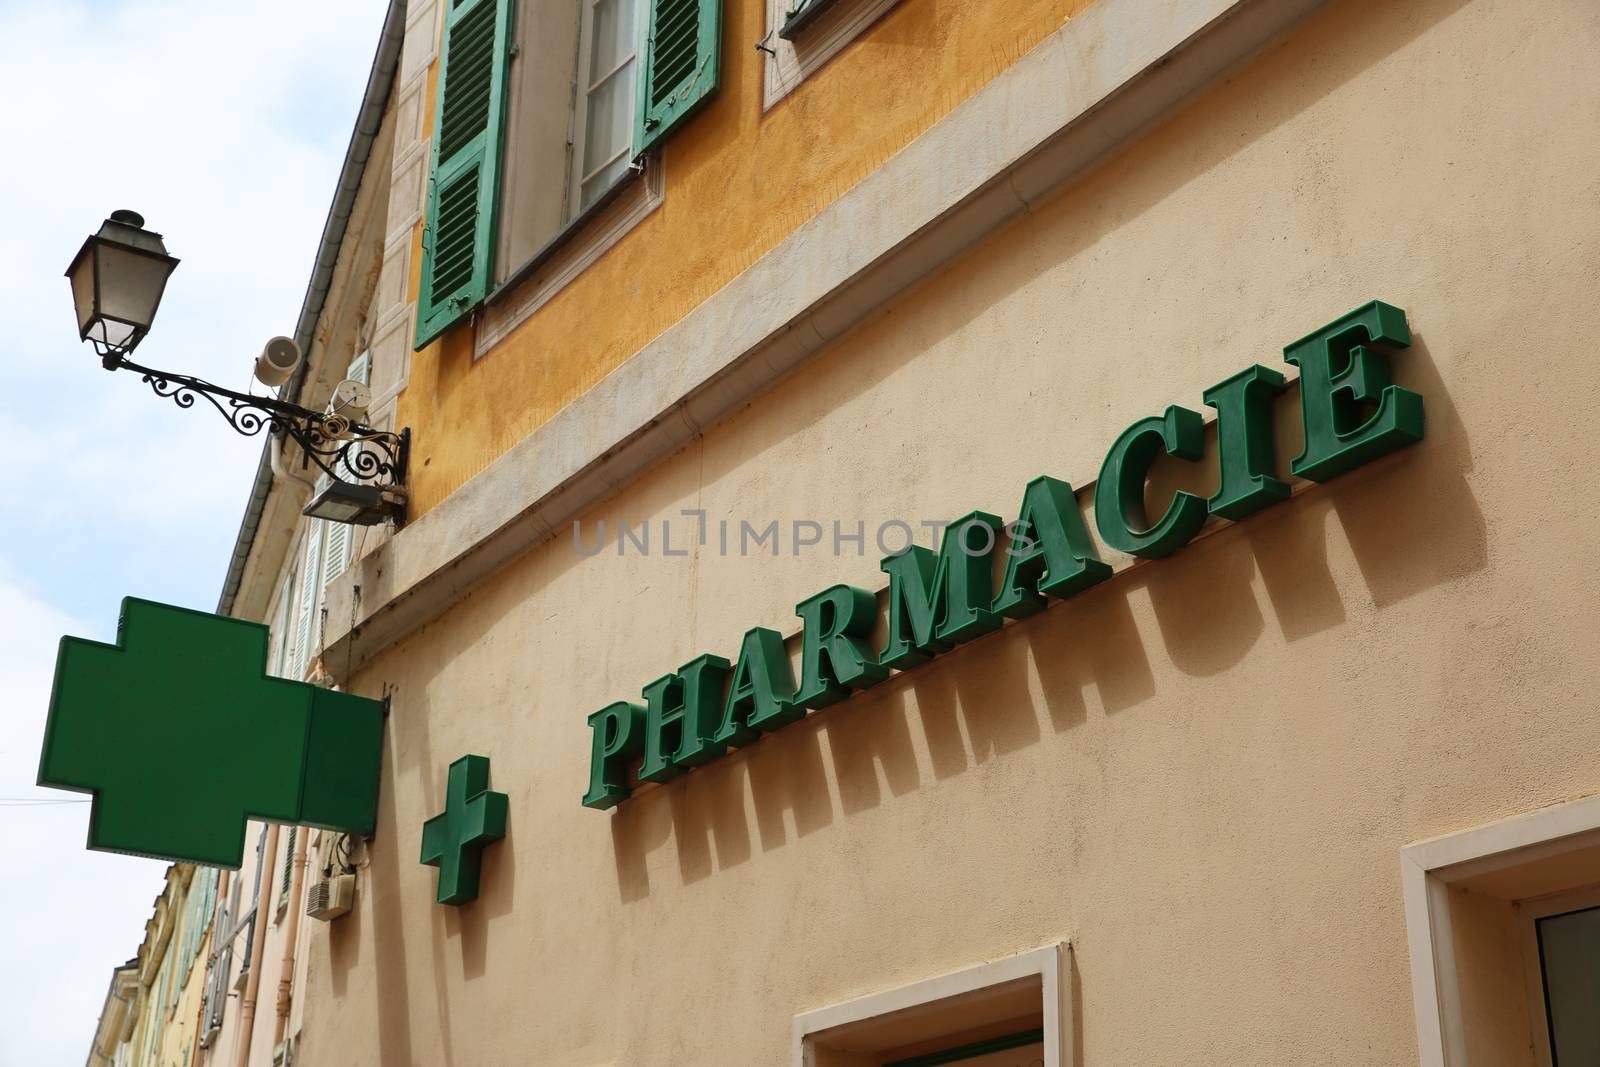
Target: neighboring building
[
  {"x": 117, "y": 1018},
  {"x": 152, "y": 1010},
  {"x": 1274, "y": 745},
  {"x": 188, "y": 996}
]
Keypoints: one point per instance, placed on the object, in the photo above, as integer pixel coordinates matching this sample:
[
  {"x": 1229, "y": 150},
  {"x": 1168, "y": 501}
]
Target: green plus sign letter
[
  {"x": 181, "y": 736},
  {"x": 453, "y": 841}
]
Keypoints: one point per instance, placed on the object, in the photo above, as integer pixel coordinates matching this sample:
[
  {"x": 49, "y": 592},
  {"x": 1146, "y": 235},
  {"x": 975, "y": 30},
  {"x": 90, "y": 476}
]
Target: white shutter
[
  {"x": 336, "y": 550},
  {"x": 337, "y": 554},
  {"x": 287, "y": 875},
  {"x": 361, "y": 368},
  {"x": 280, "y": 626},
  {"x": 306, "y": 629}
]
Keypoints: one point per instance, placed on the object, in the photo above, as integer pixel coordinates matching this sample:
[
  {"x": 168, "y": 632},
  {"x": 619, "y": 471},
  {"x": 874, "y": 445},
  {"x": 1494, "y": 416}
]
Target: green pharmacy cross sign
[
  {"x": 181, "y": 736},
  {"x": 453, "y": 841}
]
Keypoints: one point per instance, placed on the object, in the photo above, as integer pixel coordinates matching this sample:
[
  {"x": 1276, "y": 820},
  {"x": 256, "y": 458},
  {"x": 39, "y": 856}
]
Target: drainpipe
[
  {"x": 258, "y": 945},
  {"x": 291, "y": 934},
  {"x": 275, "y": 451}
]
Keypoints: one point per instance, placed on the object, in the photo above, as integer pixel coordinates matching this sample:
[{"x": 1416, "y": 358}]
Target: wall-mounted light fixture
[
  {"x": 359, "y": 505},
  {"x": 118, "y": 277}
]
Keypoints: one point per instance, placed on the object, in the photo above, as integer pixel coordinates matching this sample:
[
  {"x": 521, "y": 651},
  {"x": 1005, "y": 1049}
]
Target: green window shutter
[
  {"x": 681, "y": 65},
  {"x": 464, "y": 189}
]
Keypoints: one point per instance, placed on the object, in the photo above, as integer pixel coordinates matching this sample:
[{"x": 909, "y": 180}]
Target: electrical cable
[
  {"x": 343, "y": 846},
  {"x": 32, "y": 802}
]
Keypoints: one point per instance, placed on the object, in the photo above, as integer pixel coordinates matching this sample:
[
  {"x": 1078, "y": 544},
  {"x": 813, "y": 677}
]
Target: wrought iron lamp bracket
[{"x": 342, "y": 449}]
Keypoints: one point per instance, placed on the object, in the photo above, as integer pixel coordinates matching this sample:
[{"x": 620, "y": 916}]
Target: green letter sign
[
  {"x": 682, "y": 712},
  {"x": 615, "y": 740},
  {"x": 761, "y": 693},
  {"x": 181, "y": 736},
  {"x": 1352, "y": 414},
  {"x": 1119, "y": 496},
  {"x": 1244, "y": 443},
  {"x": 1344, "y": 373},
  {"x": 1050, "y": 553},
  {"x": 936, "y": 602},
  {"x": 834, "y": 653}
]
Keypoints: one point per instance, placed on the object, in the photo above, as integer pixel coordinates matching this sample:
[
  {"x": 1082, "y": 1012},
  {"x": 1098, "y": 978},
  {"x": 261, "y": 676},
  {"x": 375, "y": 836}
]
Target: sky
[{"x": 225, "y": 126}]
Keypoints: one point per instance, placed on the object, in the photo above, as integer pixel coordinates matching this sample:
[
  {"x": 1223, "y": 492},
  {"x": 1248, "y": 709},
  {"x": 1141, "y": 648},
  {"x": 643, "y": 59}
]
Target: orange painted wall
[{"x": 738, "y": 181}]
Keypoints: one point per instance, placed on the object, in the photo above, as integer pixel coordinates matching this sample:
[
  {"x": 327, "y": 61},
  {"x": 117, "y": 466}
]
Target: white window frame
[
  {"x": 1429, "y": 868},
  {"x": 501, "y": 317},
  {"x": 577, "y": 246},
  {"x": 791, "y": 62},
  {"x": 1051, "y": 964},
  {"x": 580, "y": 104},
  {"x": 1529, "y": 912}
]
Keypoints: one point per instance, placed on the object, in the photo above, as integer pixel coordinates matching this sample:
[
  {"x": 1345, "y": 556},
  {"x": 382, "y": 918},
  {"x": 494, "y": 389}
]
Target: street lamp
[{"x": 117, "y": 279}]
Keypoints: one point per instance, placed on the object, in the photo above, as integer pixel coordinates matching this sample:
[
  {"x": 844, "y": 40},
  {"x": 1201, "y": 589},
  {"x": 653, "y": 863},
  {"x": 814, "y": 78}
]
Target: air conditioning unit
[{"x": 331, "y": 897}]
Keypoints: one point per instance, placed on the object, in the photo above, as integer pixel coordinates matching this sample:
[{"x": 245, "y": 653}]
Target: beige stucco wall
[{"x": 1200, "y": 772}]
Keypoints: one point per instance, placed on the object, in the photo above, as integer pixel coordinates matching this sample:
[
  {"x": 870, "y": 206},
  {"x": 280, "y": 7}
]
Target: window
[
  {"x": 197, "y": 916},
  {"x": 539, "y": 124},
  {"x": 1478, "y": 900},
  {"x": 1013, "y": 1012},
  {"x": 286, "y": 875},
  {"x": 280, "y": 625},
  {"x": 603, "y": 126},
  {"x": 247, "y": 924},
  {"x": 802, "y": 15},
  {"x": 219, "y": 966},
  {"x": 463, "y": 189},
  {"x": 802, "y": 35},
  {"x": 1562, "y": 939},
  {"x": 338, "y": 536},
  {"x": 307, "y": 628},
  {"x": 323, "y": 554},
  {"x": 543, "y": 106},
  {"x": 682, "y": 67}
]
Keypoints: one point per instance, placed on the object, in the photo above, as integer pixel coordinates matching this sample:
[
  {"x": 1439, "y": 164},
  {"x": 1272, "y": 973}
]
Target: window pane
[
  {"x": 596, "y": 186},
  {"x": 608, "y": 126},
  {"x": 1569, "y": 951},
  {"x": 612, "y": 37}
]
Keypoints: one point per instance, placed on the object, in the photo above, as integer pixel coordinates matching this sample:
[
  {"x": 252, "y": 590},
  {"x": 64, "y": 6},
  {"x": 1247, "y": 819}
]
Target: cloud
[
  {"x": 225, "y": 125},
  {"x": 226, "y": 129},
  {"x": 72, "y": 915}
]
